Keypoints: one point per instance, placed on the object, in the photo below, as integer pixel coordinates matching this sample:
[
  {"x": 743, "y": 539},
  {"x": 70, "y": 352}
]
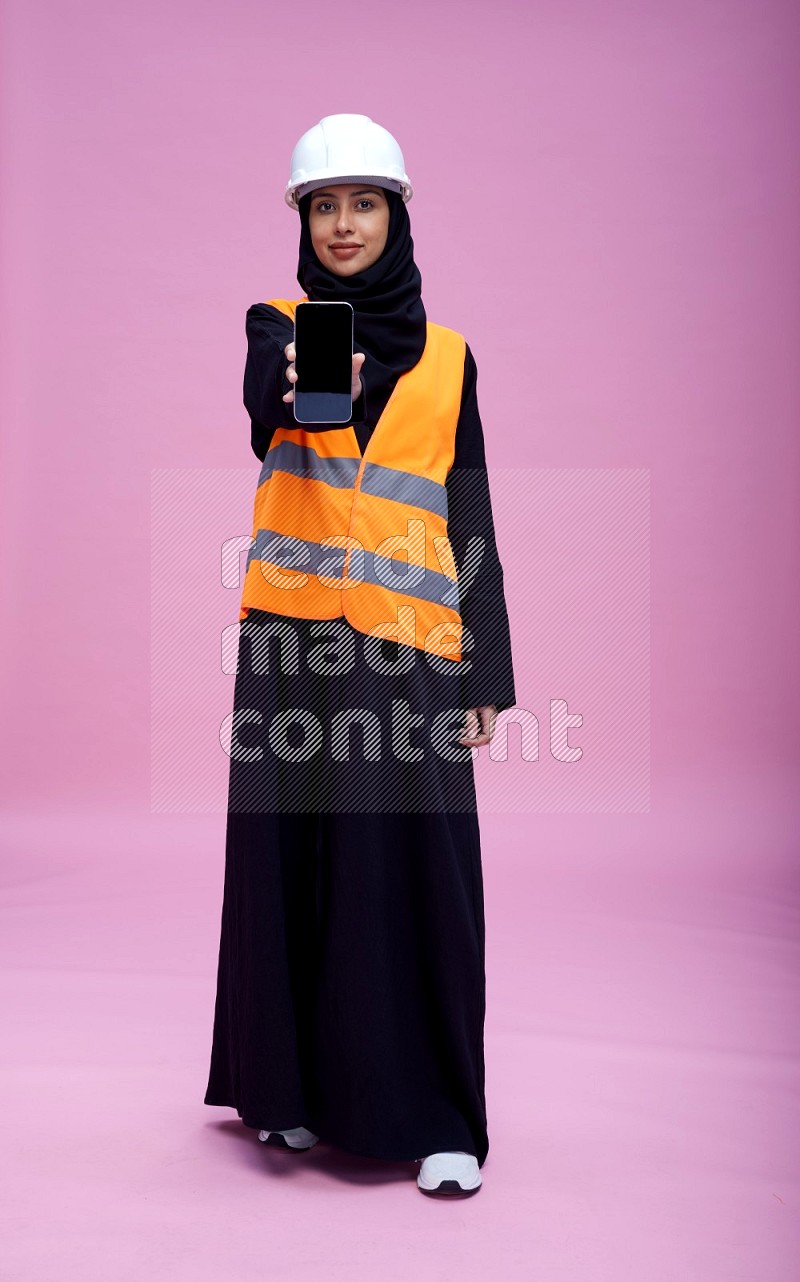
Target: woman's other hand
[
  {"x": 479, "y": 726},
  {"x": 291, "y": 373}
]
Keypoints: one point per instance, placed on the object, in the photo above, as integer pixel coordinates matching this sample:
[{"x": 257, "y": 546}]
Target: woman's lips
[{"x": 345, "y": 251}]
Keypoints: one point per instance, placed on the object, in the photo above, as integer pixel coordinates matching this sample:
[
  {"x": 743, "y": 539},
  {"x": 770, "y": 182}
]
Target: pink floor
[{"x": 641, "y": 1043}]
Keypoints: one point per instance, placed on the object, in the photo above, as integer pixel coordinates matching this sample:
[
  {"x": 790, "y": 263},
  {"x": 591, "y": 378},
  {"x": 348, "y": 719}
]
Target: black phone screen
[{"x": 323, "y": 347}]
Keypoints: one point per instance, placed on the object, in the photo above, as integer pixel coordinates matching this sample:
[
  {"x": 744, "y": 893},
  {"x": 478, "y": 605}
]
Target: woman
[{"x": 351, "y": 985}]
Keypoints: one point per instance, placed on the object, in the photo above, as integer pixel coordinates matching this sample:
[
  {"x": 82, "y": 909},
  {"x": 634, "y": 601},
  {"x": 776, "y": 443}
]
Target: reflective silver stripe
[
  {"x": 405, "y": 487},
  {"x": 398, "y": 576},
  {"x": 289, "y": 553},
  {"x": 394, "y": 574},
  {"x": 383, "y": 482},
  {"x": 302, "y": 461}
]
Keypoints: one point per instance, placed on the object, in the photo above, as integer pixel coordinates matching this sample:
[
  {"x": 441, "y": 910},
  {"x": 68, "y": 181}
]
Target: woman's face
[{"x": 350, "y": 214}]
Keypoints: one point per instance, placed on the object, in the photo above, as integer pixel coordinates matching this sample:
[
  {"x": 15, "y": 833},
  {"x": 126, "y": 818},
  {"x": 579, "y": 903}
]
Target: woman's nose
[{"x": 344, "y": 222}]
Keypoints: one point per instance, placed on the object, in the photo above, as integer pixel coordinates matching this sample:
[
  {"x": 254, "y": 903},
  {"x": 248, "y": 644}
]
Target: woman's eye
[{"x": 365, "y": 200}]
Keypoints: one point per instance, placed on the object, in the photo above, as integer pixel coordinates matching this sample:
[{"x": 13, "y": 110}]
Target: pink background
[{"x": 606, "y": 205}]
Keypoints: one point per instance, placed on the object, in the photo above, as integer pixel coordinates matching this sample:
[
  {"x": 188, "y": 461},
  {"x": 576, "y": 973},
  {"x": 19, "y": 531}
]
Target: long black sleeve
[
  {"x": 483, "y": 605},
  {"x": 265, "y": 382}
]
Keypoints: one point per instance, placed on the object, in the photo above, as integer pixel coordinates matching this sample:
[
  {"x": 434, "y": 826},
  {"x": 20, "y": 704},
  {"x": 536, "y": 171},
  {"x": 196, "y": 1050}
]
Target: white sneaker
[
  {"x": 297, "y": 1138},
  {"x": 450, "y": 1173}
]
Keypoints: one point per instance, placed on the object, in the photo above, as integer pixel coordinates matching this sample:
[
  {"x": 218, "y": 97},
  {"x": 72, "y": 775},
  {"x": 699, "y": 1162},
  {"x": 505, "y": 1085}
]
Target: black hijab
[{"x": 389, "y": 321}]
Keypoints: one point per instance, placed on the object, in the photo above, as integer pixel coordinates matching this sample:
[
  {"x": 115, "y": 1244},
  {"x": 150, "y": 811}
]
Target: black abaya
[{"x": 351, "y": 979}]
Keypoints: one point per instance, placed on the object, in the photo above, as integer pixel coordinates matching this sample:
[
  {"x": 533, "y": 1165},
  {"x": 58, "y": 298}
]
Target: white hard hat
[{"x": 346, "y": 149}]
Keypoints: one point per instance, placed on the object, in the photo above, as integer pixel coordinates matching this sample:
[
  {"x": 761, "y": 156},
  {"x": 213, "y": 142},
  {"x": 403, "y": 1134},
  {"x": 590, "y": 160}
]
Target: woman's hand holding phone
[{"x": 291, "y": 373}]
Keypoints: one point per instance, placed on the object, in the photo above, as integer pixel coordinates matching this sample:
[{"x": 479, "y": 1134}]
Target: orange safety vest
[{"x": 337, "y": 534}]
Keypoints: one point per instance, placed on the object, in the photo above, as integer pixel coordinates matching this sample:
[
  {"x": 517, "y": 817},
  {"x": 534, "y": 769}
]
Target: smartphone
[{"x": 323, "y": 345}]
